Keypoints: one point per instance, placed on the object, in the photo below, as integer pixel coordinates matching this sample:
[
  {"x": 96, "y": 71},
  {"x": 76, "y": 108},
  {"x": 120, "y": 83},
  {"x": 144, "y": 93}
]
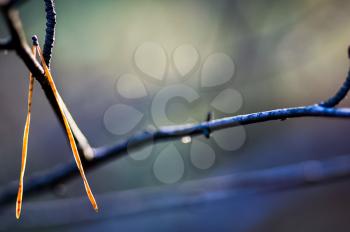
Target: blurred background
[{"x": 274, "y": 54}]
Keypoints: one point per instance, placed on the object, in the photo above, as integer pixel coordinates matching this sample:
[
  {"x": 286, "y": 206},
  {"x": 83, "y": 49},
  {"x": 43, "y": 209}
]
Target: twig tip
[{"x": 35, "y": 40}]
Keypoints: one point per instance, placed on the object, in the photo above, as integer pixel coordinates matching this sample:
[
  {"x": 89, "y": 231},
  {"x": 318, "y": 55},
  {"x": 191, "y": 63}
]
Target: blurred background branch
[{"x": 191, "y": 193}]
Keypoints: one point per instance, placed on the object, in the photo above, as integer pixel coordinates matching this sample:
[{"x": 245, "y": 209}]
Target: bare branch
[
  {"x": 340, "y": 95},
  {"x": 50, "y": 30},
  {"x": 20, "y": 45},
  {"x": 104, "y": 154}
]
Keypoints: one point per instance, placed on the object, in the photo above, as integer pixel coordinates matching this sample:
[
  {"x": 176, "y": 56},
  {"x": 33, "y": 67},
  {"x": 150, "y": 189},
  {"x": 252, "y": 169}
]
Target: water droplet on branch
[{"x": 186, "y": 139}]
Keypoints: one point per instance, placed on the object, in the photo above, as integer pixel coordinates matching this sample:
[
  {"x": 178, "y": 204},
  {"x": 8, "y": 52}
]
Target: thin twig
[
  {"x": 340, "y": 94},
  {"x": 104, "y": 154},
  {"x": 21, "y": 46},
  {"x": 50, "y": 30}
]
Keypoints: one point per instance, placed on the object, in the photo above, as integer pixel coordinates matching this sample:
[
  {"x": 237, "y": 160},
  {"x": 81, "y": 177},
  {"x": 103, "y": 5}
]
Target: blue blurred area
[{"x": 286, "y": 53}]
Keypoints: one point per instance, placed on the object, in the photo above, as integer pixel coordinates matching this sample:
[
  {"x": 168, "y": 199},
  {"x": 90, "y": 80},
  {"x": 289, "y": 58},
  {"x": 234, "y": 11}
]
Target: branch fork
[{"x": 93, "y": 157}]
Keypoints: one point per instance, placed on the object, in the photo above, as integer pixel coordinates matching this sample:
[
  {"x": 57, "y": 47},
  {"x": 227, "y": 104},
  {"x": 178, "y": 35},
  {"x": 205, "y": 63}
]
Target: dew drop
[{"x": 186, "y": 139}]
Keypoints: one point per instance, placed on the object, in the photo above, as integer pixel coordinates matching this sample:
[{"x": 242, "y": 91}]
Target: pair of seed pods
[{"x": 36, "y": 50}]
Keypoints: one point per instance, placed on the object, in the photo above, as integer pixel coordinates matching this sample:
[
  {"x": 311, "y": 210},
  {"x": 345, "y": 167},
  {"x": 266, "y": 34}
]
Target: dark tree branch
[
  {"x": 94, "y": 157},
  {"x": 50, "y": 30},
  {"x": 340, "y": 94},
  {"x": 104, "y": 154},
  {"x": 20, "y": 45}
]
